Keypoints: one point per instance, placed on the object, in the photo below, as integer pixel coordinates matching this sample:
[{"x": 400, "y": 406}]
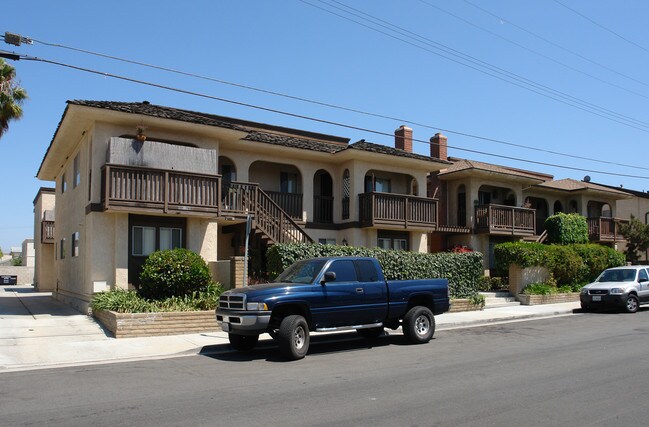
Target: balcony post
[
  {"x": 406, "y": 205},
  {"x": 166, "y": 192},
  {"x": 513, "y": 221},
  {"x": 108, "y": 181}
]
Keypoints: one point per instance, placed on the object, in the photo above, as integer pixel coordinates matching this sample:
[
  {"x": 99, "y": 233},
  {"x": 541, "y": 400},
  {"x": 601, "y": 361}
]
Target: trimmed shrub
[
  {"x": 462, "y": 270},
  {"x": 173, "y": 273},
  {"x": 565, "y": 229},
  {"x": 572, "y": 265}
]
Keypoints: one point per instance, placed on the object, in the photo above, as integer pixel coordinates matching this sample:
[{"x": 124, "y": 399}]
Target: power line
[
  {"x": 535, "y": 52},
  {"x": 592, "y": 21},
  {"x": 550, "y": 42},
  {"x": 334, "y": 106},
  {"x": 314, "y": 119},
  {"x": 480, "y": 66}
]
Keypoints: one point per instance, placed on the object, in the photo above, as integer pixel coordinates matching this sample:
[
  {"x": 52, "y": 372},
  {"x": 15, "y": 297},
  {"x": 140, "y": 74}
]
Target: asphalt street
[{"x": 578, "y": 370}]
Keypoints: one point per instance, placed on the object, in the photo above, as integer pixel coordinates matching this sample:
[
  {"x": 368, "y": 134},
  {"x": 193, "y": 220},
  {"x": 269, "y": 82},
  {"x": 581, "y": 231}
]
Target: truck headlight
[
  {"x": 617, "y": 291},
  {"x": 584, "y": 291},
  {"x": 256, "y": 306}
]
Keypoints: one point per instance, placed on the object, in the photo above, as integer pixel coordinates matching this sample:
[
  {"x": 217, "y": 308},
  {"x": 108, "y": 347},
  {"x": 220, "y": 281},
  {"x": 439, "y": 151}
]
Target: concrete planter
[
  {"x": 126, "y": 325},
  {"x": 547, "y": 299},
  {"x": 458, "y": 305}
]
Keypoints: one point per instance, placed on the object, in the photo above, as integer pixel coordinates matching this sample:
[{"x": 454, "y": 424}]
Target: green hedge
[
  {"x": 566, "y": 229},
  {"x": 463, "y": 270},
  {"x": 569, "y": 264},
  {"x": 176, "y": 272}
]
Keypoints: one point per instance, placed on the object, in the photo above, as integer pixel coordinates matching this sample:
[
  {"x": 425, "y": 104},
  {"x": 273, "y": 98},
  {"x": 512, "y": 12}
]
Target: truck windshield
[
  {"x": 301, "y": 272},
  {"x": 623, "y": 275}
]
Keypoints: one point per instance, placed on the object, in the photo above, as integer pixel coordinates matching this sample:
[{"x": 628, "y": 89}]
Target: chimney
[
  {"x": 438, "y": 147},
  {"x": 403, "y": 138}
]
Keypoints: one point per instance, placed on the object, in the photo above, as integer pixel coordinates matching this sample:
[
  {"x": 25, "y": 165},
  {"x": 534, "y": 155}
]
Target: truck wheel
[
  {"x": 370, "y": 333},
  {"x": 243, "y": 342},
  {"x": 419, "y": 325},
  {"x": 293, "y": 337},
  {"x": 631, "y": 305}
]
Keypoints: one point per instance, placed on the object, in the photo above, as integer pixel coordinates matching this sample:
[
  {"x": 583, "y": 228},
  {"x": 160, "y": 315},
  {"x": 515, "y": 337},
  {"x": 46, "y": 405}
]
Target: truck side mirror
[{"x": 329, "y": 276}]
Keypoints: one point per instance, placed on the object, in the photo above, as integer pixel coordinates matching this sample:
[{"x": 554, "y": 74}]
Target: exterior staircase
[
  {"x": 269, "y": 220},
  {"x": 499, "y": 299}
]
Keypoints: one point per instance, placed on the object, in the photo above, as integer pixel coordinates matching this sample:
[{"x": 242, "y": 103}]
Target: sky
[{"x": 554, "y": 86}]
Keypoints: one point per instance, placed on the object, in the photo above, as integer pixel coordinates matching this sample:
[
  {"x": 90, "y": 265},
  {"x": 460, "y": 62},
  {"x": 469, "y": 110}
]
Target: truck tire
[
  {"x": 243, "y": 342},
  {"x": 370, "y": 333},
  {"x": 419, "y": 325},
  {"x": 293, "y": 337}
]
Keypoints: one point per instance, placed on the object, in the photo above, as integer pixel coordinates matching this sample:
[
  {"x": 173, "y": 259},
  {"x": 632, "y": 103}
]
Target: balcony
[
  {"x": 601, "y": 229},
  {"x": 397, "y": 211},
  {"x": 47, "y": 231},
  {"x": 158, "y": 191},
  {"x": 291, "y": 203},
  {"x": 505, "y": 220}
]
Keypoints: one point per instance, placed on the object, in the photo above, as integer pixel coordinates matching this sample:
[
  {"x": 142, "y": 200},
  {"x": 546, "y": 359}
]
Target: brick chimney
[
  {"x": 439, "y": 147},
  {"x": 403, "y": 138}
]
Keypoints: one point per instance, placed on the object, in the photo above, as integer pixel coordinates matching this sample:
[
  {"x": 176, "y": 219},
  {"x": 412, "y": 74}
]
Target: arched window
[
  {"x": 346, "y": 193},
  {"x": 558, "y": 207}
]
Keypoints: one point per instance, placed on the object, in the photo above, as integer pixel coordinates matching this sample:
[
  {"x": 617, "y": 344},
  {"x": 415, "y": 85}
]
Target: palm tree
[{"x": 11, "y": 96}]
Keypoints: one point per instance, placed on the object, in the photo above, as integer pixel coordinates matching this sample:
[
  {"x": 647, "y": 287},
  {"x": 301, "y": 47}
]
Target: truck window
[
  {"x": 366, "y": 270},
  {"x": 344, "y": 269}
]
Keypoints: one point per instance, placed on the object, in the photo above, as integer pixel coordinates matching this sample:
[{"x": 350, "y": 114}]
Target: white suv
[{"x": 624, "y": 287}]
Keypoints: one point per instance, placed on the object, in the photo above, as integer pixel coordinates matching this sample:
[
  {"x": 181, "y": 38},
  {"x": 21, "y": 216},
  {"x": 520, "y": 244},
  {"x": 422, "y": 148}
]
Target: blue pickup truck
[{"x": 330, "y": 294}]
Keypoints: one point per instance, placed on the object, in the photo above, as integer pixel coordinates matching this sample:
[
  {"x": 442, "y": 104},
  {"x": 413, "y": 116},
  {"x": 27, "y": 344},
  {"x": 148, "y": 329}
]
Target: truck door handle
[{"x": 359, "y": 290}]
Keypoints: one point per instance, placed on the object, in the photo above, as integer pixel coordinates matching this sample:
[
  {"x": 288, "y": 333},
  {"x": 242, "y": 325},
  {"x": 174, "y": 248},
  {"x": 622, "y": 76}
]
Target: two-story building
[{"x": 132, "y": 178}]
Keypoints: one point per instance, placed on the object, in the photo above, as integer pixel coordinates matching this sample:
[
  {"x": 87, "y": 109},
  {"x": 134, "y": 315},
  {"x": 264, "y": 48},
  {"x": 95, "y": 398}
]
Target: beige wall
[{"x": 44, "y": 271}]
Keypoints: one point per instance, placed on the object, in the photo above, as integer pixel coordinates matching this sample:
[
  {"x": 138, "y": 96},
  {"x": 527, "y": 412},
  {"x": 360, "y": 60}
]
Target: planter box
[
  {"x": 458, "y": 305},
  {"x": 547, "y": 299},
  {"x": 126, "y": 325}
]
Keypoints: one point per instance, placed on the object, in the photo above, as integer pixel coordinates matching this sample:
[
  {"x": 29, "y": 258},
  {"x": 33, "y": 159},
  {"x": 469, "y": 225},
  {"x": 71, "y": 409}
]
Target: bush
[
  {"x": 462, "y": 270},
  {"x": 572, "y": 265},
  {"x": 565, "y": 229},
  {"x": 176, "y": 272},
  {"x": 122, "y": 301},
  {"x": 540, "y": 289},
  {"x": 487, "y": 283}
]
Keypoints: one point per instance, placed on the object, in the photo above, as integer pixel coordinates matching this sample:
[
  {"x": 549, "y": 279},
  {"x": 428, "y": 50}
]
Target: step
[{"x": 499, "y": 299}]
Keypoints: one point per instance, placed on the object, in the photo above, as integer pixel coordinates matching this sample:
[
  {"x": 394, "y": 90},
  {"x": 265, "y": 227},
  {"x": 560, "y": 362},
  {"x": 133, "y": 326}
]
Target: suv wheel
[{"x": 631, "y": 305}]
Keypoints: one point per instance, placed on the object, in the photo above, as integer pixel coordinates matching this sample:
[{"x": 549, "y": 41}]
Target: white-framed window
[
  {"x": 327, "y": 241},
  {"x": 288, "y": 182},
  {"x": 170, "y": 238},
  {"x": 394, "y": 240},
  {"x": 64, "y": 183},
  {"x": 75, "y": 244},
  {"x": 143, "y": 240},
  {"x": 76, "y": 178}
]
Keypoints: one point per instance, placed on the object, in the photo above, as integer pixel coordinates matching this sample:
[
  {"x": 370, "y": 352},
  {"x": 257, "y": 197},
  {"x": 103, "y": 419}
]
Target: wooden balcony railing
[
  {"x": 323, "y": 209},
  {"x": 291, "y": 203},
  {"x": 159, "y": 191},
  {"x": 387, "y": 209},
  {"x": 47, "y": 231},
  {"x": 499, "y": 219},
  {"x": 601, "y": 229}
]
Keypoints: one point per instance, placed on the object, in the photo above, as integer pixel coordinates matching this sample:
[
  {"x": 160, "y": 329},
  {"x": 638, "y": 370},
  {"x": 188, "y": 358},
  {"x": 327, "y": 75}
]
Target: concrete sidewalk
[{"x": 37, "y": 331}]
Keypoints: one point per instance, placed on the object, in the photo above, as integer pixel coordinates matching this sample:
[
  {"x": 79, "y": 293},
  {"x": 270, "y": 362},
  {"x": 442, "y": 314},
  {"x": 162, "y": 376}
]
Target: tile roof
[
  {"x": 464, "y": 164},
  {"x": 384, "y": 149},
  {"x": 569, "y": 184}
]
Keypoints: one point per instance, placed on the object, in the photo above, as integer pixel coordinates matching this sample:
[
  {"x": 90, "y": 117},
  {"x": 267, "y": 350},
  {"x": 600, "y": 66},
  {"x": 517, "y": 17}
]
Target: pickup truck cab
[
  {"x": 623, "y": 287},
  {"x": 330, "y": 294}
]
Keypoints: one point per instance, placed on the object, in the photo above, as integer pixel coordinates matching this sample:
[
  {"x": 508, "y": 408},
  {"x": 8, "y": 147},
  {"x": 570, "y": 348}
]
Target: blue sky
[{"x": 596, "y": 59}]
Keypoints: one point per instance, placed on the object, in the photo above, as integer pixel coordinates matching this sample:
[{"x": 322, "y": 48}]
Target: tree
[
  {"x": 11, "y": 96},
  {"x": 637, "y": 236}
]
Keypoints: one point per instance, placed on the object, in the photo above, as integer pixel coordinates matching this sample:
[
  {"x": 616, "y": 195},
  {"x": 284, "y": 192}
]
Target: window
[
  {"x": 484, "y": 197},
  {"x": 327, "y": 241},
  {"x": 393, "y": 240},
  {"x": 62, "y": 248},
  {"x": 288, "y": 182},
  {"x": 366, "y": 271},
  {"x": 643, "y": 276},
  {"x": 76, "y": 179},
  {"x": 143, "y": 240},
  {"x": 64, "y": 183},
  {"x": 345, "y": 271},
  {"x": 377, "y": 184},
  {"x": 75, "y": 244},
  {"x": 170, "y": 238},
  {"x": 346, "y": 193}
]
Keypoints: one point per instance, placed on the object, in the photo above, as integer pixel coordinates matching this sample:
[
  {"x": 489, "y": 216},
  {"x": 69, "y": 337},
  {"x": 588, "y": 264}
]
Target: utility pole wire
[
  {"x": 314, "y": 119},
  {"x": 342, "y": 108}
]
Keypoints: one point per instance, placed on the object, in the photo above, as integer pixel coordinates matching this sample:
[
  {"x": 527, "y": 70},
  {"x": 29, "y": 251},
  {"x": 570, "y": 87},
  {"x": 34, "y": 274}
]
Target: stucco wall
[{"x": 25, "y": 275}]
